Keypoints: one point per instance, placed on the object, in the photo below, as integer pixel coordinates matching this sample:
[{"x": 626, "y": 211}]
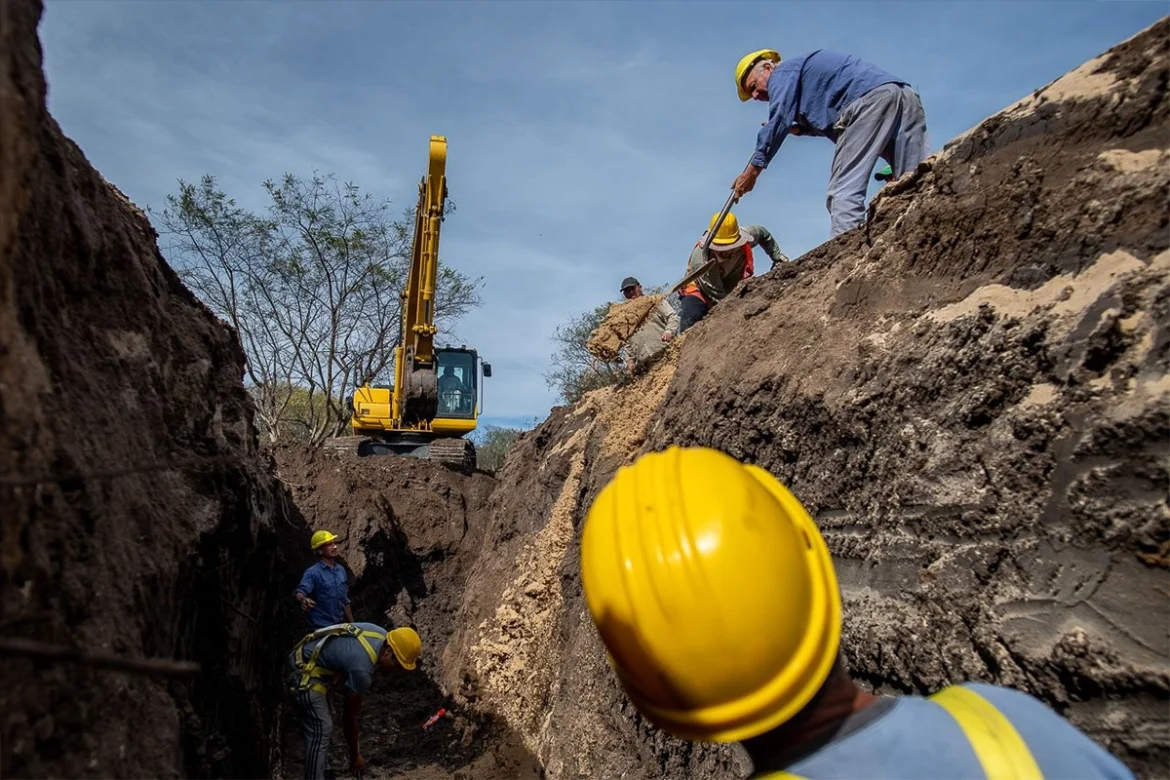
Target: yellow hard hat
[
  {"x": 320, "y": 538},
  {"x": 745, "y": 67},
  {"x": 728, "y": 235},
  {"x": 406, "y": 645},
  {"x": 713, "y": 592}
]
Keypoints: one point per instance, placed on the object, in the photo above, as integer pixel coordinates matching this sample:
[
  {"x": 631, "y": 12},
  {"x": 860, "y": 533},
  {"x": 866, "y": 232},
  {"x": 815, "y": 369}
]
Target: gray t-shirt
[{"x": 345, "y": 656}]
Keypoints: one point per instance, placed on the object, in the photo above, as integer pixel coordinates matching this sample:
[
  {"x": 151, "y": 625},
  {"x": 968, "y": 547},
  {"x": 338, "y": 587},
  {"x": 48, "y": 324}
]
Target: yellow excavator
[{"x": 436, "y": 397}]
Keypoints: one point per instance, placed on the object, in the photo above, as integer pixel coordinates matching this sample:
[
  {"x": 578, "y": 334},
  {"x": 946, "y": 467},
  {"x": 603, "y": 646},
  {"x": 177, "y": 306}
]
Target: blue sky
[{"x": 587, "y": 141}]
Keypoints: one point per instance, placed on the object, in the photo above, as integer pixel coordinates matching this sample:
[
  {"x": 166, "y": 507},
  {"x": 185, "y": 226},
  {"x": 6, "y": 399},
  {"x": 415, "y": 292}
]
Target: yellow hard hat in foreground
[
  {"x": 745, "y": 67},
  {"x": 728, "y": 232},
  {"x": 713, "y": 592},
  {"x": 320, "y": 538},
  {"x": 406, "y": 645}
]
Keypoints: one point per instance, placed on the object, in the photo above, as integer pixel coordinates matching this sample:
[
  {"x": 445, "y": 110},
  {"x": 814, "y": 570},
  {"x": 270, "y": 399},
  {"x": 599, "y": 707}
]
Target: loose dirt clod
[{"x": 621, "y": 321}]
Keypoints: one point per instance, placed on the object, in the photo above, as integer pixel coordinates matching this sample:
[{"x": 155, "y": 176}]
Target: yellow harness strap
[
  {"x": 998, "y": 746},
  {"x": 313, "y": 676},
  {"x": 1000, "y": 749}
]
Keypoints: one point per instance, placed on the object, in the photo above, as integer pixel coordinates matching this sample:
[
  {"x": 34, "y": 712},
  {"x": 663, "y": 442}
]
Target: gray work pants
[
  {"x": 317, "y": 724},
  {"x": 887, "y": 122}
]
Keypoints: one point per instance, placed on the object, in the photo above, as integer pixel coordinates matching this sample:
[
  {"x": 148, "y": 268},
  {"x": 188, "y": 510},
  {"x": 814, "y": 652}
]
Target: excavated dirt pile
[
  {"x": 972, "y": 396},
  {"x": 137, "y": 517}
]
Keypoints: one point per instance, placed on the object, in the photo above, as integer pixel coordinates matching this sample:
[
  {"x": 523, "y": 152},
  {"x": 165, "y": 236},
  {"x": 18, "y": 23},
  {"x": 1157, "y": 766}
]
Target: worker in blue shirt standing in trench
[
  {"x": 324, "y": 588},
  {"x": 865, "y": 111}
]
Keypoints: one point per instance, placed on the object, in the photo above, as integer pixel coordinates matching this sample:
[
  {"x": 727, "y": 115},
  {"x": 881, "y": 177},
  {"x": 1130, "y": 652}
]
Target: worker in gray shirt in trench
[{"x": 345, "y": 655}]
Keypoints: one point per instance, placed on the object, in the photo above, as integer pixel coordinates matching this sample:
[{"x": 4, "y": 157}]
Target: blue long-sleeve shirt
[
  {"x": 828, "y": 82},
  {"x": 329, "y": 587}
]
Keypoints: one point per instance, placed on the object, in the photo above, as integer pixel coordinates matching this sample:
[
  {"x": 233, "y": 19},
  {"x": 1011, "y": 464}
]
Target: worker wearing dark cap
[{"x": 655, "y": 333}]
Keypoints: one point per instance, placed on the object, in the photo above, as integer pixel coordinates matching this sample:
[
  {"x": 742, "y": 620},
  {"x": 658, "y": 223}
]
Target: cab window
[{"x": 456, "y": 384}]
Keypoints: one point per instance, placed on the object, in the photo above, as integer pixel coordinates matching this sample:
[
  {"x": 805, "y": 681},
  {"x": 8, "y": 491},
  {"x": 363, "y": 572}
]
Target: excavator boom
[{"x": 414, "y": 360}]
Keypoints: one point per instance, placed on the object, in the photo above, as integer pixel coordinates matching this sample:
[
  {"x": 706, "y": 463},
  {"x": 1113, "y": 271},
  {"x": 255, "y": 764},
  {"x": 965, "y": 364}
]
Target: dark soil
[{"x": 137, "y": 516}]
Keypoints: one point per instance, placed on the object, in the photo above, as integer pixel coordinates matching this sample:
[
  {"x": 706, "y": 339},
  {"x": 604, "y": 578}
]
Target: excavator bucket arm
[{"x": 415, "y": 366}]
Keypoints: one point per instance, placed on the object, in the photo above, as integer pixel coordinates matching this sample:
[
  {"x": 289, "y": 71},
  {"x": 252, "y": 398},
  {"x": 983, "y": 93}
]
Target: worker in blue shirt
[
  {"x": 717, "y": 601},
  {"x": 867, "y": 112},
  {"x": 324, "y": 588}
]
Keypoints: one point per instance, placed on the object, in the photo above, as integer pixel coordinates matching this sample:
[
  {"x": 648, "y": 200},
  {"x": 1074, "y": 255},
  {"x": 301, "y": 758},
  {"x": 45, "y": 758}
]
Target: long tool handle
[{"x": 705, "y": 267}]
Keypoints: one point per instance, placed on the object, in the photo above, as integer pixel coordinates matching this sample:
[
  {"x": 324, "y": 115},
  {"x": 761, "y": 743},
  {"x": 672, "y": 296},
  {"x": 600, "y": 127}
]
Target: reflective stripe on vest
[
  {"x": 311, "y": 675},
  {"x": 997, "y": 745},
  {"x": 749, "y": 267}
]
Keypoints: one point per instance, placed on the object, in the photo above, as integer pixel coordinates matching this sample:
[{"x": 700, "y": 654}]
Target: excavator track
[
  {"x": 342, "y": 445},
  {"x": 457, "y": 453}
]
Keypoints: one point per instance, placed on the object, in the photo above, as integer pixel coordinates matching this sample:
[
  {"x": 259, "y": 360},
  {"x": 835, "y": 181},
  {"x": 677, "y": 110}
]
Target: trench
[{"x": 239, "y": 621}]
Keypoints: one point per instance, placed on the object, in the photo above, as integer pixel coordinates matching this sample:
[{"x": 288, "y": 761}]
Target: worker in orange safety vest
[
  {"x": 716, "y": 598},
  {"x": 732, "y": 246}
]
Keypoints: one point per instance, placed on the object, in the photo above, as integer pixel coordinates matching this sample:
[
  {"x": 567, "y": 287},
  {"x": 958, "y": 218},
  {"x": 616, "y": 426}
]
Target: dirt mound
[
  {"x": 411, "y": 530},
  {"x": 981, "y": 436},
  {"x": 137, "y": 519},
  {"x": 621, "y": 321}
]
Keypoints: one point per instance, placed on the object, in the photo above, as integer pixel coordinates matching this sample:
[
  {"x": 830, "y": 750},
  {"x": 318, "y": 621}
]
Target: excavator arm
[{"x": 415, "y": 369}]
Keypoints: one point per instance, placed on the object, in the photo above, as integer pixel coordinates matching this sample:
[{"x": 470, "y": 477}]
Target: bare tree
[
  {"x": 574, "y": 370},
  {"x": 492, "y": 446},
  {"x": 312, "y": 288}
]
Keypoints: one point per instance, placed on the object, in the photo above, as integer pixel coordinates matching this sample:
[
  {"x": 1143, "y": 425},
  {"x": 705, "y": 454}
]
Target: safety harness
[
  {"x": 308, "y": 675},
  {"x": 1000, "y": 749},
  {"x": 748, "y": 270}
]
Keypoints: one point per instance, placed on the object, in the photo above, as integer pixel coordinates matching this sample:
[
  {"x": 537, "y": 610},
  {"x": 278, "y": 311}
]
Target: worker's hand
[
  {"x": 746, "y": 181},
  {"x": 307, "y": 603},
  {"x": 357, "y": 764},
  {"x": 630, "y": 366},
  {"x": 667, "y": 335}
]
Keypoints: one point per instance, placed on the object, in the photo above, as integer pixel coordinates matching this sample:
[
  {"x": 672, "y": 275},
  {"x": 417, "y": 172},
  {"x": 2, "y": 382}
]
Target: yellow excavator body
[{"x": 435, "y": 400}]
